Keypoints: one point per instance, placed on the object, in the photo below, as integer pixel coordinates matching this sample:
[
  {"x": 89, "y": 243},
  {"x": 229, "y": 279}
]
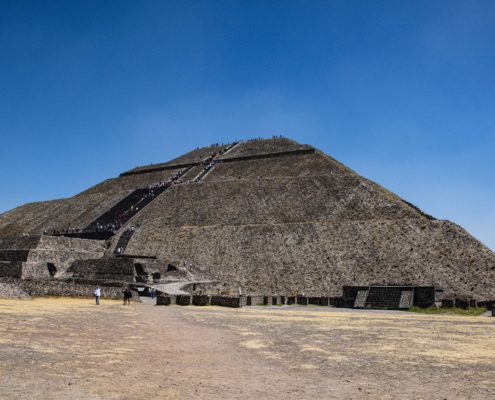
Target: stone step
[
  {"x": 61, "y": 255},
  {"x": 65, "y": 243},
  {"x": 123, "y": 241},
  {"x": 383, "y": 297},
  {"x": 14, "y": 255},
  {"x": 10, "y": 269}
]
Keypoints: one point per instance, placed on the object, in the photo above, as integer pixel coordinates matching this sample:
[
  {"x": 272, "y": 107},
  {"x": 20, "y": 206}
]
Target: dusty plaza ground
[{"x": 71, "y": 349}]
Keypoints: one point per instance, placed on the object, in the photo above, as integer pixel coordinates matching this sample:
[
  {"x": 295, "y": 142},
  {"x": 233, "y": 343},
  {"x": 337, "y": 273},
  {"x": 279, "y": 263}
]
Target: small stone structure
[
  {"x": 389, "y": 297},
  {"x": 227, "y": 301},
  {"x": 200, "y": 300}
]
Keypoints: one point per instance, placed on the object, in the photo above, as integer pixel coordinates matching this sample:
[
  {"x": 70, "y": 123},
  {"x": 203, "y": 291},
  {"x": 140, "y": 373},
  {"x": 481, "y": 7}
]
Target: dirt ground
[{"x": 72, "y": 349}]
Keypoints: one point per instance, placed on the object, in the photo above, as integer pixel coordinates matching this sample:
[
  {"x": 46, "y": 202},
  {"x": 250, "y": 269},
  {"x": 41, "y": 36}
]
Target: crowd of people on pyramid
[
  {"x": 208, "y": 163},
  {"x": 114, "y": 226},
  {"x": 120, "y": 249}
]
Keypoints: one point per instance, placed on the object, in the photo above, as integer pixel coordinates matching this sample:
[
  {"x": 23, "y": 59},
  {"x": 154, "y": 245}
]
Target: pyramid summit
[{"x": 266, "y": 216}]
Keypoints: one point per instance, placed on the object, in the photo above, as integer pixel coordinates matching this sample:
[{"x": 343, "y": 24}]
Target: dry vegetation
[{"x": 67, "y": 348}]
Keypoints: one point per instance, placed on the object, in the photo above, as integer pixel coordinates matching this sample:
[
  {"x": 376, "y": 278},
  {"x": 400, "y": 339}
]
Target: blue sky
[{"x": 402, "y": 92}]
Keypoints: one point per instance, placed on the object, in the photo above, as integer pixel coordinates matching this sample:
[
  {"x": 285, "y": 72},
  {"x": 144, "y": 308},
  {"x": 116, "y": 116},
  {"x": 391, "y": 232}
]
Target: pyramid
[{"x": 265, "y": 216}]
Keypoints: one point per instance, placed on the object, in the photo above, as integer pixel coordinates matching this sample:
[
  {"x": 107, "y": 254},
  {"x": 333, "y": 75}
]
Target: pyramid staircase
[{"x": 385, "y": 297}]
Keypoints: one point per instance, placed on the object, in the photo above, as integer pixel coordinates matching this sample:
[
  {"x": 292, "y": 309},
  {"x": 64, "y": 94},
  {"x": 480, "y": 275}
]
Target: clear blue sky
[{"x": 402, "y": 92}]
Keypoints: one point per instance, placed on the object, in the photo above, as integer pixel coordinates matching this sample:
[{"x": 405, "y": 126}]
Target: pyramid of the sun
[{"x": 270, "y": 216}]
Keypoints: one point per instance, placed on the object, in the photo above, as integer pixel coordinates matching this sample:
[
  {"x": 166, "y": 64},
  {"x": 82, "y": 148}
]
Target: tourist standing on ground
[
  {"x": 97, "y": 295},
  {"x": 124, "y": 292},
  {"x": 127, "y": 296}
]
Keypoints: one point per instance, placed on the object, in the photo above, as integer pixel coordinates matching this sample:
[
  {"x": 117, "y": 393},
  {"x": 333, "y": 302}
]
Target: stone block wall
[
  {"x": 467, "y": 303},
  {"x": 118, "y": 269},
  {"x": 62, "y": 243},
  {"x": 35, "y": 270},
  {"x": 226, "y": 301},
  {"x": 48, "y": 288},
  {"x": 183, "y": 300},
  {"x": 424, "y": 297},
  {"x": 336, "y": 301},
  {"x": 19, "y": 242},
  {"x": 200, "y": 300},
  {"x": 318, "y": 301},
  {"x": 254, "y": 300},
  {"x": 163, "y": 300},
  {"x": 11, "y": 269},
  {"x": 13, "y": 255},
  {"x": 488, "y": 304}
]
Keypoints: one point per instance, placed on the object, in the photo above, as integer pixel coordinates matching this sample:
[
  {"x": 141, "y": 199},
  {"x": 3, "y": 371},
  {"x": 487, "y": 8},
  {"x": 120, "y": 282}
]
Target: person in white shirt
[{"x": 97, "y": 295}]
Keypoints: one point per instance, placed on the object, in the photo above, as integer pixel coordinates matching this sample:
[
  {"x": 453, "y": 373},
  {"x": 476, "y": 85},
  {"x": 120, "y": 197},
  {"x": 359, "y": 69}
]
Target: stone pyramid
[{"x": 266, "y": 216}]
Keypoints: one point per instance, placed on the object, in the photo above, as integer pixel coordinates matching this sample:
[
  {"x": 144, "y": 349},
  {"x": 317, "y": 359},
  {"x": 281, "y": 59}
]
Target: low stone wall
[
  {"x": 336, "y": 301},
  {"x": 183, "y": 300},
  {"x": 318, "y": 301},
  {"x": 488, "y": 304},
  {"x": 254, "y": 300},
  {"x": 466, "y": 303},
  {"x": 227, "y": 301},
  {"x": 424, "y": 297},
  {"x": 47, "y": 288},
  {"x": 200, "y": 300},
  {"x": 163, "y": 300}
]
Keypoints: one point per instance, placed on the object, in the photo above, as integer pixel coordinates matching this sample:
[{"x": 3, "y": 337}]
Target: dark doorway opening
[
  {"x": 52, "y": 269},
  {"x": 141, "y": 275},
  {"x": 139, "y": 269},
  {"x": 156, "y": 276}
]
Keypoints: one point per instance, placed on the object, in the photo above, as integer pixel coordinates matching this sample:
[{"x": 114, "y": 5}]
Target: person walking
[
  {"x": 129, "y": 296},
  {"x": 124, "y": 293},
  {"x": 97, "y": 295}
]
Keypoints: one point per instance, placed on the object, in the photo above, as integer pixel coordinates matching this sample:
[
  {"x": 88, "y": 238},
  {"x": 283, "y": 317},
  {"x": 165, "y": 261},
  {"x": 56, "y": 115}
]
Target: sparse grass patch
[{"x": 451, "y": 311}]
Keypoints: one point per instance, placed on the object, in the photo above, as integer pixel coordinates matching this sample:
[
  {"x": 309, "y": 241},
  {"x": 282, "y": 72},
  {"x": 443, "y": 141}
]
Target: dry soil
[{"x": 73, "y": 349}]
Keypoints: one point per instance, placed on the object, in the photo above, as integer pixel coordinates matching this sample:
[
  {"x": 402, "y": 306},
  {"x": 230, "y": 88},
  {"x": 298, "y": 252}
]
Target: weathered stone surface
[
  {"x": 321, "y": 258},
  {"x": 274, "y": 217},
  {"x": 130, "y": 182},
  {"x": 227, "y": 301},
  {"x": 10, "y": 289},
  {"x": 75, "y": 212},
  {"x": 43, "y": 288},
  {"x": 12, "y": 269},
  {"x": 260, "y": 147},
  {"x": 113, "y": 269}
]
